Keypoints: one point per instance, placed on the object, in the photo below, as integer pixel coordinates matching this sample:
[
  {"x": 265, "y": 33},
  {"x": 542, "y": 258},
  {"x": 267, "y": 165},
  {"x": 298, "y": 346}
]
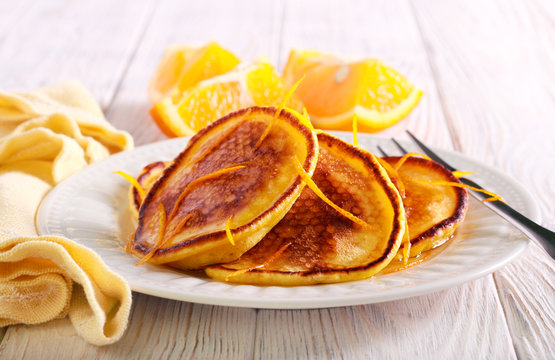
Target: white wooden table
[{"x": 488, "y": 72}]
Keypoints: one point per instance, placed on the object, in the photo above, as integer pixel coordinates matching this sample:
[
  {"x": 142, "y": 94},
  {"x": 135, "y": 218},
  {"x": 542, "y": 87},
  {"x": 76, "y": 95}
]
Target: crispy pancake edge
[
  {"x": 145, "y": 173},
  {"x": 446, "y": 227}
]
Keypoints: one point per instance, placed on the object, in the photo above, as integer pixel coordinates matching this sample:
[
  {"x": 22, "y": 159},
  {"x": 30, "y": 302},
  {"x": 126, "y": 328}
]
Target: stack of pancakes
[{"x": 236, "y": 204}]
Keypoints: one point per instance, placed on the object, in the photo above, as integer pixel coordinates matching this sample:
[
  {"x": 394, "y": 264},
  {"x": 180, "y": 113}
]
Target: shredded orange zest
[
  {"x": 193, "y": 183},
  {"x": 312, "y": 185},
  {"x": 133, "y": 182},
  {"x": 268, "y": 261},
  {"x": 228, "y": 231},
  {"x": 355, "y": 131},
  {"x": 161, "y": 230},
  {"x": 494, "y": 196},
  {"x": 307, "y": 118},
  {"x": 278, "y": 112},
  {"x": 389, "y": 169},
  {"x": 406, "y": 156},
  {"x": 216, "y": 143},
  {"x": 462, "y": 173}
]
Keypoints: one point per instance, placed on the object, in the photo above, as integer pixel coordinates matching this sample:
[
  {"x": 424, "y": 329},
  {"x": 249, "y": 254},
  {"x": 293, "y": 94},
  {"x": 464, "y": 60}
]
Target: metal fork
[{"x": 531, "y": 229}]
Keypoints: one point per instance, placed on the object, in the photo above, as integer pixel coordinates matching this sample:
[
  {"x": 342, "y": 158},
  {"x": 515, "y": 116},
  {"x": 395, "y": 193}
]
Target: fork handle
[{"x": 544, "y": 236}]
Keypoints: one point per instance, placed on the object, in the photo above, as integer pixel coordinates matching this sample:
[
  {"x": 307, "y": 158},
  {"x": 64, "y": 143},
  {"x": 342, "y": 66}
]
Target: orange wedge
[
  {"x": 182, "y": 66},
  {"x": 336, "y": 91},
  {"x": 209, "y": 100}
]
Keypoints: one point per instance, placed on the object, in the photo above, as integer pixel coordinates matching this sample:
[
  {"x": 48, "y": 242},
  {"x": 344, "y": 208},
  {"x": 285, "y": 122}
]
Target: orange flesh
[{"x": 332, "y": 80}]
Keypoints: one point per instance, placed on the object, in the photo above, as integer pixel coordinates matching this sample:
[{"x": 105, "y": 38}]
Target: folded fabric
[{"x": 45, "y": 136}]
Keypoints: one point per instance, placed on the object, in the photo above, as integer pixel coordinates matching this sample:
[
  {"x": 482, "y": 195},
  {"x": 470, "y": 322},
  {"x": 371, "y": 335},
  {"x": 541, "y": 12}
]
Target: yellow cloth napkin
[{"x": 45, "y": 136}]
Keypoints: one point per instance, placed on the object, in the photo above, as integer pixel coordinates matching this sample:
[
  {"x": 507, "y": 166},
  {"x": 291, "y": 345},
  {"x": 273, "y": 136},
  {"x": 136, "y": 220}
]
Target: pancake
[
  {"x": 314, "y": 243},
  {"x": 433, "y": 211},
  {"x": 225, "y": 175}
]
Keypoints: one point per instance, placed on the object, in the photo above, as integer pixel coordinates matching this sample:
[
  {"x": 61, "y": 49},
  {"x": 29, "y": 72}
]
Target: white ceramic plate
[{"x": 91, "y": 208}]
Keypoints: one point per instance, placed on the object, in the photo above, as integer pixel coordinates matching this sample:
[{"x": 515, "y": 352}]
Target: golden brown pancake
[
  {"x": 433, "y": 211},
  {"x": 225, "y": 174},
  {"x": 316, "y": 244}
]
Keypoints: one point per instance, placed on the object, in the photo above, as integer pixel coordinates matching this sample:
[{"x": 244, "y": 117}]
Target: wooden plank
[
  {"x": 250, "y": 29},
  {"x": 455, "y": 323},
  {"x": 159, "y": 329},
  {"x": 496, "y": 78},
  {"x": 527, "y": 292},
  {"x": 47, "y": 42}
]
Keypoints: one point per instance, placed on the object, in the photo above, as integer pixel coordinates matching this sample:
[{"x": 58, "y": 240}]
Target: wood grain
[
  {"x": 490, "y": 76},
  {"x": 47, "y": 42},
  {"x": 527, "y": 291},
  {"x": 160, "y": 329}
]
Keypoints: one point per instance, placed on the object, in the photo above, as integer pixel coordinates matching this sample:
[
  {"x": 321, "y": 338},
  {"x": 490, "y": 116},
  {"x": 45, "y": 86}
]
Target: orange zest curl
[
  {"x": 307, "y": 119},
  {"x": 355, "y": 131},
  {"x": 390, "y": 170},
  {"x": 462, "y": 173},
  {"x": 406, "y": 248},
  {"x": 161, "y": 231},
  {"x": 268, "y": 261},
  {"x": 278, "y": 112},
  {"x": 404, "y": 158},
  {"x": 133, "y": 182},
  {"x": 493, "y": 196},
  {"x": 197, "y": 181},
  {"x": 312, "y": 185},
  {"x": 228, "y": 231}
]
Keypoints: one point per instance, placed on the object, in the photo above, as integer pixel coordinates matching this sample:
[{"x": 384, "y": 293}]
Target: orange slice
[
  {"x": 221, "y": 176},
  {"x": 334, "y": 91},
  {"x": 247, "y": 85},
  {"x": 183, "y": 66}
]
